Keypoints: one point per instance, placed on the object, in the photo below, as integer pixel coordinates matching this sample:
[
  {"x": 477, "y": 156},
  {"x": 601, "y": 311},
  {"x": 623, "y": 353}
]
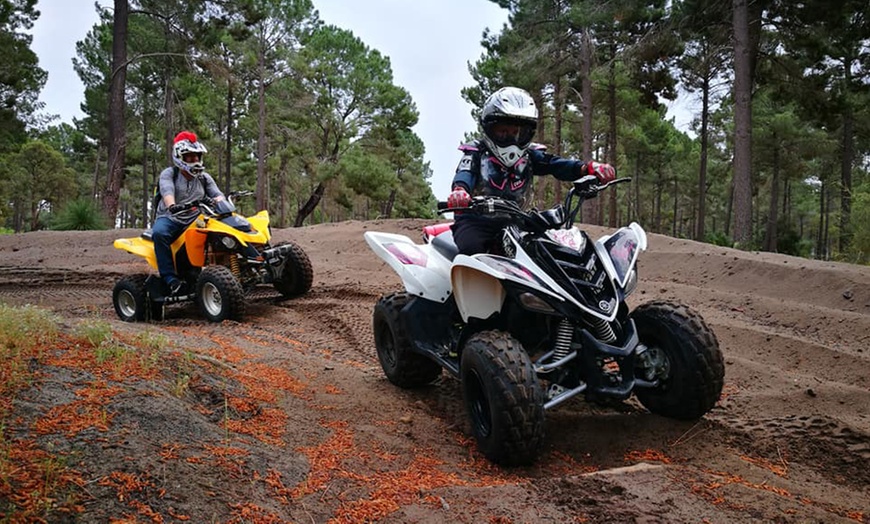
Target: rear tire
[
  {"x": 219, "y": 294},
  {"x": 297, "y": 275},
  {"x": 401, "y": 365},
  {"x": 503, "y": 398},
  {"x": 130, "y": 299},
  {"x": 691, "y": 369}
]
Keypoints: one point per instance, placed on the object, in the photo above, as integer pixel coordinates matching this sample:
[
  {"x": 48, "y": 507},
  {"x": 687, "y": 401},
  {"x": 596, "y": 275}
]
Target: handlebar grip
[{"x": 442, "y": 206}]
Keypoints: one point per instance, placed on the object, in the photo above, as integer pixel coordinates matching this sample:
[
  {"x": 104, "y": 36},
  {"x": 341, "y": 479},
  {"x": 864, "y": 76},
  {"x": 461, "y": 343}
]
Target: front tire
[
  {"x": 130, "y": 298},
  {"x": 401, "y": 365},
  {"x": 219, "y": 294},
  {"x": 297, "y": 275},
  {"x": 503, "y": 398},
  {"x": 685, "y": 358}
]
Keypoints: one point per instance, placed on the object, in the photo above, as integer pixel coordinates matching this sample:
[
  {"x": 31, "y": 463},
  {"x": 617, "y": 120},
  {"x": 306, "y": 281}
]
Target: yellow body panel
[
  {"x": 145, "y": 248},
  {"x": 195, "y": 236}
]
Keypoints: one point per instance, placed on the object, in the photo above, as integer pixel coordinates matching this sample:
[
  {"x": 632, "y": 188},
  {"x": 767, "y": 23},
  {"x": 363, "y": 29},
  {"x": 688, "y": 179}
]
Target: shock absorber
[
  {"x": 234, "y": 265},
  {"x": 564, "y": 335},
  {"x": 603, "y": 331}
]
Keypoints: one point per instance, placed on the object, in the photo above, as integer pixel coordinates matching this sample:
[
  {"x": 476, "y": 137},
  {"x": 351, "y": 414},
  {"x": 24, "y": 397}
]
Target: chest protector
[{"x": 494, "y": 179}]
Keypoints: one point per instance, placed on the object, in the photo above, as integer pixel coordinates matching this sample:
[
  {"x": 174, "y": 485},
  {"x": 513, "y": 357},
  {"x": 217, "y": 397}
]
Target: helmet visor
[{"x": 510, "y": 133}]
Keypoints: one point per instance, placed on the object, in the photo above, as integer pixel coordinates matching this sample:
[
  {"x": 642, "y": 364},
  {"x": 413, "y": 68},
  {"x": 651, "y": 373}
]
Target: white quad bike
[{"x": 528, "y": 329}]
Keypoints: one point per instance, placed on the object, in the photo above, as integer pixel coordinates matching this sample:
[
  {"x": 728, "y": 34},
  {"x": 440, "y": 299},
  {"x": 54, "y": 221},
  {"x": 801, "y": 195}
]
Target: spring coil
[
  {"x": 564, "y": 336},
  {"x": 234, "y": 266},
  {"x": 603, "y": 331}
]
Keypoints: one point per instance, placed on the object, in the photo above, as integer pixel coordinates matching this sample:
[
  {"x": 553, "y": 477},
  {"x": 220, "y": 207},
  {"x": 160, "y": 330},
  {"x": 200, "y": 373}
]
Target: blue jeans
[{"x": 164, "y": 233}]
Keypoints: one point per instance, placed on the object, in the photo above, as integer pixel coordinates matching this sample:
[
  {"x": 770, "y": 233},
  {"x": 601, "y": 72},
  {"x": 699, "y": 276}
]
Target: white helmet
[
  {"x": 186, "y": 143},
  {"x": 509, "y": 120}
]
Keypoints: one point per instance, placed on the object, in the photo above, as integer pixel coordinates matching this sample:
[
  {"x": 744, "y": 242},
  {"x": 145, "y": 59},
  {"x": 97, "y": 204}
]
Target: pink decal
[
  {"x": 499, "y": 187},
  {"x": 516, "y": 184},
  {"x": 406, "y": 254}
]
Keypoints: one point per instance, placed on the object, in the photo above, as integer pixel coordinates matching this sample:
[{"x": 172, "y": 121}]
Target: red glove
[
  {"x": 603, "y": 172},
  {"x": 458, "y": 198}
]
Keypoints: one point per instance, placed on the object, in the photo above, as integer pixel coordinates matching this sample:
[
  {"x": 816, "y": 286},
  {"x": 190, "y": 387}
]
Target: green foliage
[
  {"x": 718, "y": 238},
  {"x": 96, "y": 332},
  {"x": 330, "y": 117},
  {"x": 82, "y": 214},
  {"x": 21, "y": 78},
  {"x": 860, "y": 246}
]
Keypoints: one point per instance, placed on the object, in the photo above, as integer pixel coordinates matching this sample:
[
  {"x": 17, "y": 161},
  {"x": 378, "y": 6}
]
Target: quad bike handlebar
[
  {"x": 207, "y": 205},
  {"x": 556, "y": 217}
]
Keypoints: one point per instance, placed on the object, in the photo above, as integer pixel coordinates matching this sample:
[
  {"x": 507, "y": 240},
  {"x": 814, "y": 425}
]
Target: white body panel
[
  {"x": 605, "y": 256},
  {"x": 424, "y": 271},
  {"x": 477, "y": 283}
]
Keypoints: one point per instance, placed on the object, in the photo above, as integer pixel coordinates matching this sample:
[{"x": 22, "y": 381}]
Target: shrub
[{"x": 79, "y": 215}]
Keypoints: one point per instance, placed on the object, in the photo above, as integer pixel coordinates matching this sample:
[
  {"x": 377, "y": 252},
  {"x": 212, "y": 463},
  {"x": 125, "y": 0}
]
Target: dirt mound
[{"x": 286, "y": 417}]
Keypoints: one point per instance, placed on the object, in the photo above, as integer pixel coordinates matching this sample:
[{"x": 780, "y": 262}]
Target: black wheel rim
[{"x": 478, "y": 405}]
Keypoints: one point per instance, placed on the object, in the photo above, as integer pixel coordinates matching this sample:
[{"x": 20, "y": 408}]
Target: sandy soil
[{"x": 789, "y": 441}]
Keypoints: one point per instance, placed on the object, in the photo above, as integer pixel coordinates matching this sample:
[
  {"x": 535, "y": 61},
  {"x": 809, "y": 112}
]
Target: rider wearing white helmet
[
  {"x": 182, "y": 183},
  {"x": 503, "y": 163}
]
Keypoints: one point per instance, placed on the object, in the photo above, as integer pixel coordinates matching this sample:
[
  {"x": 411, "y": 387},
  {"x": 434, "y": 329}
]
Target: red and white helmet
[
  {"x": 185, "y": 143},
  {"x": 514, "y": 108}
]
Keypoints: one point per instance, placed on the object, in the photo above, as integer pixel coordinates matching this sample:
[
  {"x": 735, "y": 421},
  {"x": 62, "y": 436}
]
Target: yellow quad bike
[{"x": 221, "y": 256}]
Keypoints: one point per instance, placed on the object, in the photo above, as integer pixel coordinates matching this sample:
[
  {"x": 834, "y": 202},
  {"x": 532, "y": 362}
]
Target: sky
[{"x": 429, "y": 43}]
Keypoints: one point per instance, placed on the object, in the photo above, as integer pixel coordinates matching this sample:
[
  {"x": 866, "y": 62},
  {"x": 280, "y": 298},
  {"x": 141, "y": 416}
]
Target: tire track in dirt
[{"x": 847, "y": 328}]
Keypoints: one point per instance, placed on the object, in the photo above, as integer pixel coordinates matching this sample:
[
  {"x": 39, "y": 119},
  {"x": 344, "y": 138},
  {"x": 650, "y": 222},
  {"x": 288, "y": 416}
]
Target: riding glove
[
  {"x": 458, "y": 198},
  {"x": 603, "y": 172}
]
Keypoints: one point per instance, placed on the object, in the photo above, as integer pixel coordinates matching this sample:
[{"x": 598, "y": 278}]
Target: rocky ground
[{"x": 287, "y": 417}]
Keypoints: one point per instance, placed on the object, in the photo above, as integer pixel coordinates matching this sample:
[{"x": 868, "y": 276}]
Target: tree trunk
[
  {"x": 846, "y": 174},
  {"x": 117, "y": 129},
  {"x": 742, "y": 127},
  {"x": 638, "y": 216},
  {"x": 388, "y": 209},
  {"x": 611, "y": 135},
  {"x": 559, "y": 110},
  {"x": 282, "y": 191},
  {"x": 823, "y": 214},
  {"x": 96, "y": 190},
  {"x": 310, "y": 205},
  {"x": 228, "y": 177},
  {"x": 700, "y": 231},
  {"x": 145, "y": 193},
  {"x": 590, "y": 208},
  {"x": 676, "y": 230},
  {"x": 771, "y": 233},
  {"x": 262, "y": 179},
  {"x": 729, "y": 209},
  {"x": 657, "y": 211},
  {"x": 34, "y": 215}
]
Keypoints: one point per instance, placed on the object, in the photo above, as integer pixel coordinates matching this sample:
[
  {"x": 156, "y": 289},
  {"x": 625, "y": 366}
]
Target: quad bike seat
[
  {"x": 444, "y": 244},
  {"x": 147, "y": 234},
  {"x": 434, "y": 230}
]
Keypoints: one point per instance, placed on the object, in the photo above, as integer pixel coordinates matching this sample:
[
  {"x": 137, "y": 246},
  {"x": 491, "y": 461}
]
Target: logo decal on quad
[{"x": 604, "y": 305}]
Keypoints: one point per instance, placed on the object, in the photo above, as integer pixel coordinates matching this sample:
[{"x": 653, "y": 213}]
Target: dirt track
[{"x": 788, "y": 442}]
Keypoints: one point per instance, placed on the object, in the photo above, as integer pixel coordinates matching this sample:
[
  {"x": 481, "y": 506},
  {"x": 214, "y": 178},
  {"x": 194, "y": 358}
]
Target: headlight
[
  {"x": 631, "y": 283},
  {"x": 535, "y": 303},
  {"x": 229, "y": 242}
]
